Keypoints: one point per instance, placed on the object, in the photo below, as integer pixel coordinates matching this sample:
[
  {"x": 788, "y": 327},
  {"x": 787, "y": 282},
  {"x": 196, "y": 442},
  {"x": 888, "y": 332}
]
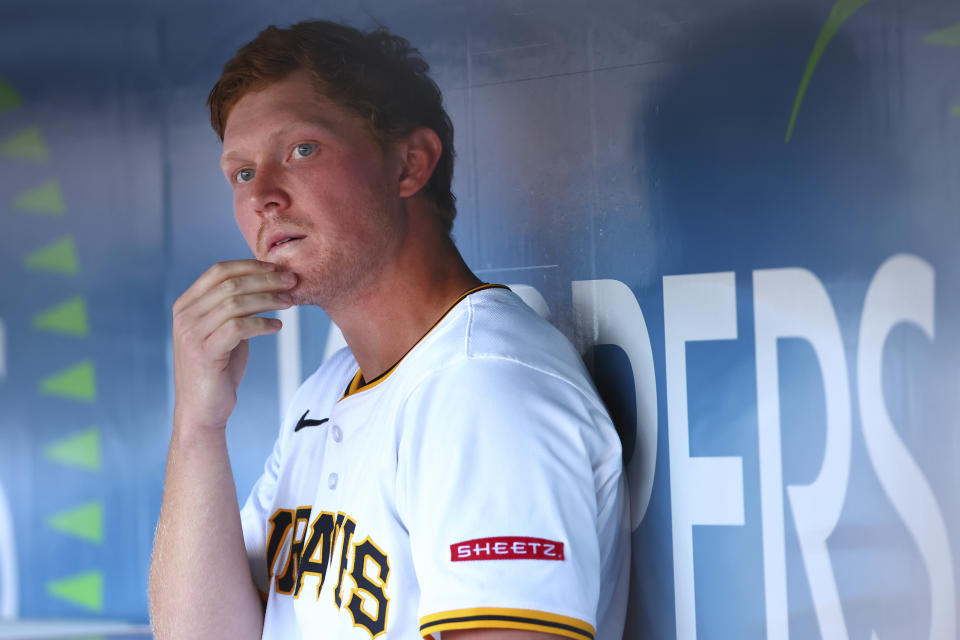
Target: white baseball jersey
[{"x": 476, "y": 484}]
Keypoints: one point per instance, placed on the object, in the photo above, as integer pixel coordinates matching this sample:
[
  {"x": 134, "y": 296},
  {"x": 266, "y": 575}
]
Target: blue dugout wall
[{"x": 743, "y": 212}]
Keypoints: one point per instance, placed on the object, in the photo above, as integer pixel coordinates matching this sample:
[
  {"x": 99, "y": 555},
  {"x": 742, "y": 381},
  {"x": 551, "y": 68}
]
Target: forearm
[{"x": 200, "y": 583}]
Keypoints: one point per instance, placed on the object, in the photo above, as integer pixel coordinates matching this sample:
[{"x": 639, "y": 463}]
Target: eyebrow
[{"x": 227, "y": 157}]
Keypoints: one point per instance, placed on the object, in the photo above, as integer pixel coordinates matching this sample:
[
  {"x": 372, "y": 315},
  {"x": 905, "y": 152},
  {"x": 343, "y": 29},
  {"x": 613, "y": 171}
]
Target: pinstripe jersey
[{"x": 477, "y": 483}]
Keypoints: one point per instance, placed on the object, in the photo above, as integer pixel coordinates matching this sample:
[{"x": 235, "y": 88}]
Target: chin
[
  {"x": 328, "y": 285},
  {"x": 302, "y": 294},
  {"x": 308, "y": 293}
]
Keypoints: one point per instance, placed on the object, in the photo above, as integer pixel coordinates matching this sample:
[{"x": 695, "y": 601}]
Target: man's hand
[{"x": 212, "y": 322}]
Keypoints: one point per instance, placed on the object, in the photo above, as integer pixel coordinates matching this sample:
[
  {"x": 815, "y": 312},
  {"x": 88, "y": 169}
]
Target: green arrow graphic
[
  {"x": 9, "y": 98},
  {"x": 79, "y": 450},
  {"x": 84, "y": 521},
  {"x": 949, "y": 37},
  {"x": 69, "y": 317},
  {"x": 84, "y": 590},
  {"x": 60, "y": 256},
  {"x": 77, "y": 383},
  {"x": 26, "y": 145},
  {"x": 45, "y": 198},
  {"x": 955, "y": 109}
]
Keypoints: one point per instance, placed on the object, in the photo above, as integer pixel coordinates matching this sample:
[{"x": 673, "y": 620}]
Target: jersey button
[
  {"x": 332, "y": 481},
  {"x": 336, "y": 433}
]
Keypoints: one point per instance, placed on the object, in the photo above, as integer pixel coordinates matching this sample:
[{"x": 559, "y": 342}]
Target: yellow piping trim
[{"x": 356, "y": 387}]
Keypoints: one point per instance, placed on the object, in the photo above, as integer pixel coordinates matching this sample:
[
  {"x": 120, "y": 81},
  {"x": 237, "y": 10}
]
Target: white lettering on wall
[
  {"x": 9, "y": 580},
  {"x": 607, "y": 312},
  {"x": 3, "y": 351},
  {"x": 902, "y": 291},
  {"x": 703, "y": 490},
  {"x": 289, "y": 373},
  {"x": 335, "y": 341},
  {"x": 792, "y": 303}
]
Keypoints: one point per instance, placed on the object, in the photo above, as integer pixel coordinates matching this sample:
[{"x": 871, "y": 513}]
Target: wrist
[{"x": 191, "y": 431}]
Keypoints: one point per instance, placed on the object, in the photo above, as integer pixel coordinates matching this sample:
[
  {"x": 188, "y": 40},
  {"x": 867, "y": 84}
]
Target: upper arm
[{"x": 506, "y": 527}]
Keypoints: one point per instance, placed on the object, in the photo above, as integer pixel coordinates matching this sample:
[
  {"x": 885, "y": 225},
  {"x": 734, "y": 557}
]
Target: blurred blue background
[{"x": 769, "y": 309}]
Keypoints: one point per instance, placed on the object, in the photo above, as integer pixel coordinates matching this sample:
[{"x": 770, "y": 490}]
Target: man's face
[{"x": 312, "y": 190}]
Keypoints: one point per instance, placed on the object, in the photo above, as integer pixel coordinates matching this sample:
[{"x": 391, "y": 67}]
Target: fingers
[
  {"x": 230, "y": 333},
  {"x": 227, "y": 292},
  {"x": 239, "y": 307},
  {"x": 218, "y": 274}
]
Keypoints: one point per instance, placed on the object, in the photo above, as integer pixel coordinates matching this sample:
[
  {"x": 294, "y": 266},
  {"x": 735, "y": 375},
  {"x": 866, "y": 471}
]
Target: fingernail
[{"x": 289, "y": 276}]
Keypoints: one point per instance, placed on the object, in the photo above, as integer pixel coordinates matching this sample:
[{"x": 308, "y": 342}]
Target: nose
[{"x": 267, "y": 193}]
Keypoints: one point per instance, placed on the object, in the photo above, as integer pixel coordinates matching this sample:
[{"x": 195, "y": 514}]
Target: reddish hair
[{"x": 376, "y": 75}]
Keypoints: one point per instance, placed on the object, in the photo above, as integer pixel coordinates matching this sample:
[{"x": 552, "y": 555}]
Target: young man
[{"x": 453, "y": 471}]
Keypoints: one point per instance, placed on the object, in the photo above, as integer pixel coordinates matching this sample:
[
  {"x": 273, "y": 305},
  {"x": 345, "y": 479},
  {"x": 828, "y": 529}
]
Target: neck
[{"x": 394, "y": 312}]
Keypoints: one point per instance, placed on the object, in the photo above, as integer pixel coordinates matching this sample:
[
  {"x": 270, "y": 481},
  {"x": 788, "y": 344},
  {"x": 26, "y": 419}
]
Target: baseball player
[{"x": 452, "y": 472}]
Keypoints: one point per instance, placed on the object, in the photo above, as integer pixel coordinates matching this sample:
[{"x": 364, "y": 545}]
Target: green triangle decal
[
  {"x": 955, "y": 109},
  {"x": 26, "y": 145},
  {"x": 949, "y": 37},
  {"x": 9, "y": 98},
  {"x": 84, "y": 590},
  {"x": 59, "y": 256},
  {"x": 45, "y": 198},
  {"x": 84, "y": 521},
  {"x": 79, "y": 450},
  {"x": 77, "y": 383},
  {"x": 69, "y": 317}
]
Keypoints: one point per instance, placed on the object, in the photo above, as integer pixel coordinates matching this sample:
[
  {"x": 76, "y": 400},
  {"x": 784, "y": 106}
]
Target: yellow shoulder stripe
[{"x": 497, "y": 618}]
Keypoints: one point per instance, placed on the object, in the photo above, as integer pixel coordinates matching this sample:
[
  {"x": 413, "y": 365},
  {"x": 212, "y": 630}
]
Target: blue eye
[
  {"x": 304, "y": 149},
  {"x": 245, "y": 175}
]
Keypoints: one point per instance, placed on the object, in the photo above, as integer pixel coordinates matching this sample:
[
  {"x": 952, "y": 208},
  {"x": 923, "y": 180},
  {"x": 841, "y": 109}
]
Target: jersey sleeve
[
  {"x": 254, "y": 518},
  {"x": 506, "y": 473}
]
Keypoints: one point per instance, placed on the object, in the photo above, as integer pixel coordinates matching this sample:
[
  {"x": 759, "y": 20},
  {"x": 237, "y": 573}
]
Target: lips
[{"x": 279, "y": 240}]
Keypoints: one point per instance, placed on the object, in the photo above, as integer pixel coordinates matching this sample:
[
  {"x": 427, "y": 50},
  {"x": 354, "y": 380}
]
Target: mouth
[{"x": 278, "y": 242}]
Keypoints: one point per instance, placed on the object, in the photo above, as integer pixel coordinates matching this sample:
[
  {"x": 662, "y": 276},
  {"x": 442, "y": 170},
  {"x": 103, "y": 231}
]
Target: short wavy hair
[{"x": 375, "y": 74}]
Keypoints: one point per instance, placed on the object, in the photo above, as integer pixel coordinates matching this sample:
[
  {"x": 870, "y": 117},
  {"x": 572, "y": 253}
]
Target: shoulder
[
  {"x": 495, "y": 339},
  {"x": 501, "y": 373}
]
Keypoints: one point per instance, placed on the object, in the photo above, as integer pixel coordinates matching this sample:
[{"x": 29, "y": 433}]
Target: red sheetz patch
[{"x": 506, "y": 548}]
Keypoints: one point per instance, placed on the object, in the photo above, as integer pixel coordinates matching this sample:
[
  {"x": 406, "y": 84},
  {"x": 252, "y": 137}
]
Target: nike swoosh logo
[{"x": 303, "y": 422}]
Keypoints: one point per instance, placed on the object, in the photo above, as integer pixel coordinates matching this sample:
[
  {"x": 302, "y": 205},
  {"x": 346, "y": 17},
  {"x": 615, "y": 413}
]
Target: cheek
[{"x": 247, "y": 223}]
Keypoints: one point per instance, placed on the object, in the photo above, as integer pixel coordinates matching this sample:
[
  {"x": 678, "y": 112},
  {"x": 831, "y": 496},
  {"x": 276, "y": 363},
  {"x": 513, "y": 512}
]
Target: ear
[{"x": 421, "y": 150}]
